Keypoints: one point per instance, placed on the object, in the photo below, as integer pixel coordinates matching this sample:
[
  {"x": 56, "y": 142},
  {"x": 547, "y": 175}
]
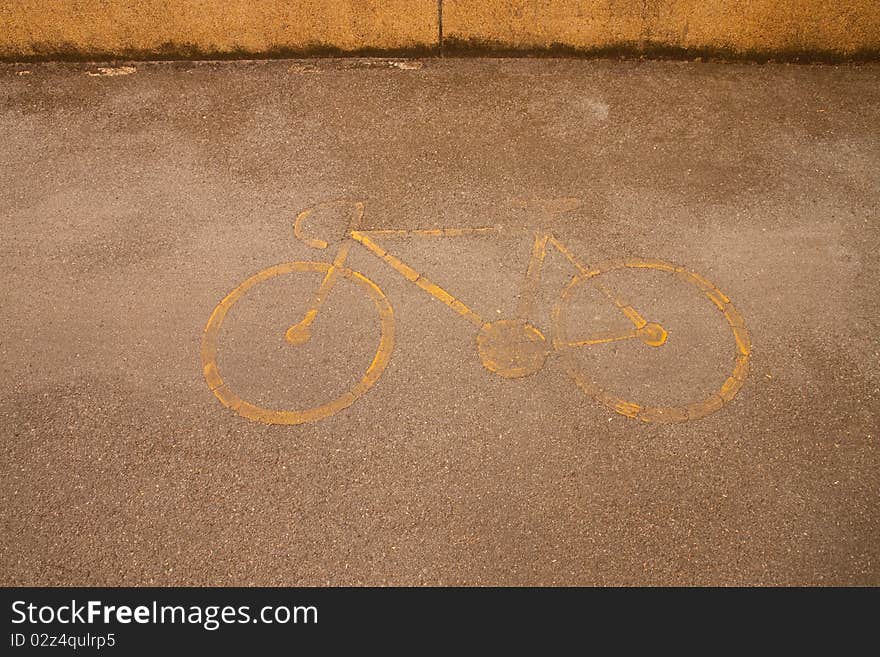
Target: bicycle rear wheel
[{"x": 736, "y": 364}]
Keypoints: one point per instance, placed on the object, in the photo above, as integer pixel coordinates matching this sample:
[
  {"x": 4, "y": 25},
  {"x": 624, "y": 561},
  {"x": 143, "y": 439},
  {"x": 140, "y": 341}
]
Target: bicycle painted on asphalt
[{"x": 512, "y": 347}]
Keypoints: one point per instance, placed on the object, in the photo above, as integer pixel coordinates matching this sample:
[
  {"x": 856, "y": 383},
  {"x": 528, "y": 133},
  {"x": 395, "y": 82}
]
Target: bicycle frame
[
  {"x": 652, "y": 334},
  {"x": 510, "y": 347}
]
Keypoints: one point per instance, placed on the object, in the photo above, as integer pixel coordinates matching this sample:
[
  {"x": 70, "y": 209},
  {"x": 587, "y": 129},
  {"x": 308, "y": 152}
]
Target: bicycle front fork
[{"x": 300, "y": 332}]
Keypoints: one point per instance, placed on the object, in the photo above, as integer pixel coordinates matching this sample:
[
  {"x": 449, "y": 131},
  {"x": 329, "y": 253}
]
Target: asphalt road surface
[{"x": 589, "y": 322}]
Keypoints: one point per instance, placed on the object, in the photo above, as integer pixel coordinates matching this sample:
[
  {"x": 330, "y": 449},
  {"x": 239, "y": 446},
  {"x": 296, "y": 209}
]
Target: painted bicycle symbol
[{"x": 512, "y": 347}]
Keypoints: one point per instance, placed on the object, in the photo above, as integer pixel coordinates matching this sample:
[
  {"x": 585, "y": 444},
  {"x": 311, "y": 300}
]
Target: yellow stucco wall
[
  {"x": 30, "y": 28},
  {"x": 185, "y": 28},
  {"x": 839, "y": 27}
]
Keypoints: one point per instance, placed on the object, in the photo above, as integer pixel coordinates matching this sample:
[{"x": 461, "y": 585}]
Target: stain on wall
[
  {"x": 784, "y": 27},
  {"x": 32, "y": 29},
  {"x": 175, "y": 29}
]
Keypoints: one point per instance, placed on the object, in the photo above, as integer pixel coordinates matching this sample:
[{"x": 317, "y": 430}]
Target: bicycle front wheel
[{"x": 309, "y": 276}]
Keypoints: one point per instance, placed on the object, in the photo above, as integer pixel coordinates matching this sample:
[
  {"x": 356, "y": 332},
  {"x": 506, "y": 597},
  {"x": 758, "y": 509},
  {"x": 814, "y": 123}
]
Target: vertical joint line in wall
[
  {"x": 645, "y": 31},
  {"x": 440, "y": 27}
]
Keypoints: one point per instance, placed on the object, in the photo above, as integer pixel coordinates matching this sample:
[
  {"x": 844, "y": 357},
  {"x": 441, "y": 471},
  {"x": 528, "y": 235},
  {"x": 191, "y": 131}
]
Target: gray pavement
[{"x": 134, "y": 201}]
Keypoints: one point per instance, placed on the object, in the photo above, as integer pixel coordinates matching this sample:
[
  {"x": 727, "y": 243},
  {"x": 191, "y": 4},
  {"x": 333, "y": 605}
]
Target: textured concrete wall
[
  {"x": 764, "y": 27},
  {"x": 211, "y": 28},
  {"x": 169, "y": 28}
]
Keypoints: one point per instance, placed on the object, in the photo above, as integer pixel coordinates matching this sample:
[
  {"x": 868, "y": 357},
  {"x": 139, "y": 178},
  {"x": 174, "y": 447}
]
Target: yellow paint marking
[
  {"x": 462, "y": 309},
  {"x": 300, "y": 333},
  {"x": 664, "y": 414},
  {"x": 212, "y": 376},
  {"x": 602, "y": 339},
  {"x": 297, "y": 231},
  {"x": 716, "y": 298},
  {"x": 634, "y": 316},
  {"x": 631, "y": 313},
  {"x": 734, "y": 317},
  {"x": 627, "y": 408},
  {"x": 564, "y": 250},
  {"x": 656, "y": 335},
  {"x": 729, "y": 388},
  {"x": 361, "y": 236},
  {"x": 704, "y": 408},
  {"x": 651, "y": 334},
  {"x": 743, "y": 342},
  {"x": 231, "y": 400},
  {"x": 741, "y": 371},
  {"x": 741, "y": 334},
  {"x": 432, "y": 232},
  {"x": 529, "y": 289},
  {"x": 386, "y": 233},
  {"x": 715, "y": 295},
  {"x": 341, "y": 255},
  {"x": 706, "y": 285},
  {"x": 442, "y": 295},
  {"x": 412, "y": 275},
  {"x": 648, "y": 264},
  {"x": 435, "y": 290},
  {"x": 618, "y": 405},
  {"x": 509, "y": 347},
  {"x": 353, "y": 222},
  {"x": 401, "y": 267},
  {"x": 311, "y": 314}
]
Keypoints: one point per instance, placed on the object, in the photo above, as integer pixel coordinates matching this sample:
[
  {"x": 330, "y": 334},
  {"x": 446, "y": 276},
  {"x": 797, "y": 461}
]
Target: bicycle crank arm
[{"x": 651, "y": 333}]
